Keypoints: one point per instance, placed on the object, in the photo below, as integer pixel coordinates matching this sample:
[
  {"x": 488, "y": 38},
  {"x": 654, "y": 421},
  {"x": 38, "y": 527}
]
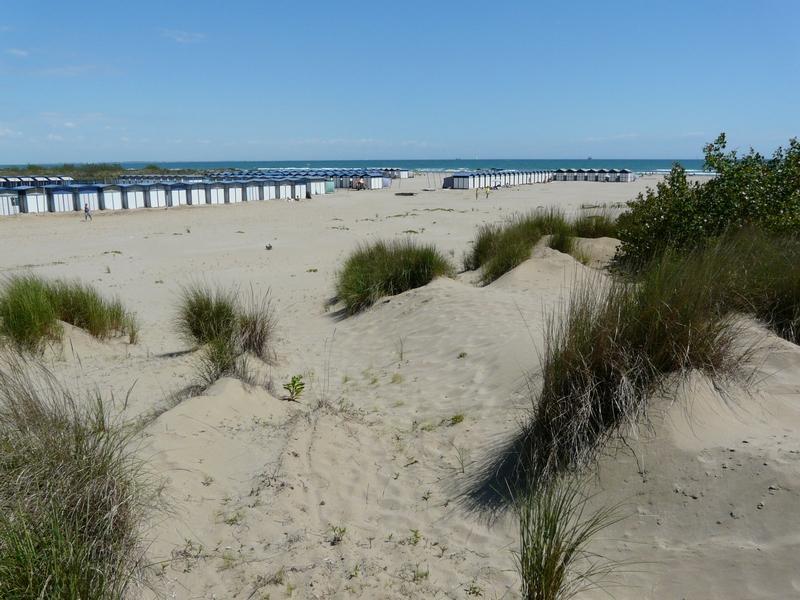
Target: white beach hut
[
  {"x": 110, "y": 197},
  {"x": 252, "y": 191},
  {"x": 9, "y": 202},
  {"x": 268, "y": 189},
  {"x": 60, "y": 199},
  {"x": 299, "y": 187},
  {"x": 177, "y": 194},
  {"x": 374, "y": 181},
  {"x": 133, "y": 196},
  {"x": 156, "y": 195},
  {"x": 215, "y": 193},
  {"x": 197, "y": 194},
  {"x": 32, "y": 199},
  {"x": 284, "y": 189},
  {"x": 87, "y": 195},
  {"x": 235, "y": 191}
]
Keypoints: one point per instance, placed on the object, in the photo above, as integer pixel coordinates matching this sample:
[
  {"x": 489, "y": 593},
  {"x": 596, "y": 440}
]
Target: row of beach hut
[
  {"x": 482, "y": 179},
  {"x": 68, "y": 198},
  {"x": 328, "y": 178},
  {"x": 607, "y": 175}
]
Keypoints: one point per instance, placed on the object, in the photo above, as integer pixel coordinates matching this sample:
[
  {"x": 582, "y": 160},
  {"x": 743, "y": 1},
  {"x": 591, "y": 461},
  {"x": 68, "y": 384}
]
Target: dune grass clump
[
  {"x": 500, "y": 248},
  {"x": 226, "y": 318},
  {"x": 595, "y": 226},
  {"x": 82, "y": 305},
  {"x": 28, "y": 318},
  {"x": 613, "y": 346},
  {"x": 30, "y": 308},
  {"x": 562, "y": 241},
  {"x": 388, "y": 268},
  {"x": 72, "y": 495},
  {"x": 555, "y": 529},
  {"x": 226, "y": 325}
]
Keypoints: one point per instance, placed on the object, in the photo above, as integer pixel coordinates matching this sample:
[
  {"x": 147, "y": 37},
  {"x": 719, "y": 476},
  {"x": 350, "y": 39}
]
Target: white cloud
[
  {"x": 54, "y": 137},
  {"x": 183, "y": 37},
  {"x": 18, "y": 52},
  {"x": 7, "y": 132},
  {"x": 69, "y": 124}
]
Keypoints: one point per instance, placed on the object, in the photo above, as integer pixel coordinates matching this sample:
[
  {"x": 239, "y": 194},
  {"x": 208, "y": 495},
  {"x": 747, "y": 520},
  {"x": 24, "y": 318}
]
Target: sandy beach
[{"x": 357, "y": 491}]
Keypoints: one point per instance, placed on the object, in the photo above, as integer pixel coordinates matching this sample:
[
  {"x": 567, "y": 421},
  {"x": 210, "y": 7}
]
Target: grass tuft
[
  {"x": 556, "y": 527},
  {"x": 500, "y": 248},
  {"x": 595, "y": 226},
  {"x": 388, "y": 268},
  {"x": 613, "y": 346},
  {"x": 72, "y": 496},
  {"x": 30, "y": 308}
]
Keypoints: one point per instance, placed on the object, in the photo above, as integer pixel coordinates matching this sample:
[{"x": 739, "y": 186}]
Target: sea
[{"x": 638, "y": 165}]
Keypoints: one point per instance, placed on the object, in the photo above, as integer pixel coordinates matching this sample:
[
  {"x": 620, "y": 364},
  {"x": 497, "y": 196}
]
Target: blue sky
[{"x": 249, "y": 80}]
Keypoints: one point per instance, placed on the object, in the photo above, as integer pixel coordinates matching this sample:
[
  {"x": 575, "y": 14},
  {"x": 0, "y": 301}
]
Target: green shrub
[
  {"x": 748, "y": 190},
  {"x": 555, "y": 529},
  {"x": 72, "y": 496},
  {"x": 387, "y": 268},
  {"x": 30, "y": 308}
]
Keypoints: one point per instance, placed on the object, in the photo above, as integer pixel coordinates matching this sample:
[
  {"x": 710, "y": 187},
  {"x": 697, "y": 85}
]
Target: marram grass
[{"x": 387, "y": 268}]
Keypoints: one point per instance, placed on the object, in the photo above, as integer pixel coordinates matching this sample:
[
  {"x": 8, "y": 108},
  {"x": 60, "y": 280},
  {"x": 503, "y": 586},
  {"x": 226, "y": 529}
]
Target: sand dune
[{"x": 356, "y": 491}]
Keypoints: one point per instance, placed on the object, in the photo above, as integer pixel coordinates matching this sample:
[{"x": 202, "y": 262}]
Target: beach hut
[
  {"x": 156, "y": 195},
  {"x": 60, "y": 198},
  {"x": 299, "y": 188},
  {"x": 197, "y": 193},
  {"x": 373, "y": 181},
  {"x": 9, "y": 203},
  {"x": 87, "y": 194},
  {"x": 12, "y": 182},
  {"x": 269, "y": 189},
  {"x": 32, "y": 199},
  {"x": 252, "y": 191},
  {"x": 284, "y": 189},
  {"x": 235, "y": 191},
  {"x": 215, "y": 193},
  {"x": 110, "y": 197},
  {"x": 177, "y": 194},
  {"x": 133, "y": 196},
  {"x": 330, "y": 186}
]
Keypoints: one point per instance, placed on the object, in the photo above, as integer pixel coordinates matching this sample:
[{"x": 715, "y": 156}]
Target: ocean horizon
[{"x": 637, "y": 165}]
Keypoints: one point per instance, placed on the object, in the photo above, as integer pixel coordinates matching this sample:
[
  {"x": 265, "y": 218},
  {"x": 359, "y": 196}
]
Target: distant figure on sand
[
  {"x": 87, "y": 214},
  {"x": 487, "y": 191}
]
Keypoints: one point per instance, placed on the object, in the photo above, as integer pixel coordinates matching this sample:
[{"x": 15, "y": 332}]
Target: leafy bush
[
  {"x": 72, "y": 495},
  {"x": 30, "y": 308},
  {"x": 748, "y": 190},
  {"x": 387, "y": 268}
]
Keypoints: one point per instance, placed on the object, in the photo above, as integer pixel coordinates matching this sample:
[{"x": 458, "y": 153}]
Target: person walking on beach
[
  {"x": 487, "y": 192},
  {"x": 87, "y": 214}
]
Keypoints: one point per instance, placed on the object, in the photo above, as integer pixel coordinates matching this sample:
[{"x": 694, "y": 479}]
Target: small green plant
[
  {"x": 414, "y": 538},
  {"x": 295, "y": 387},
  {"x": 456, "y": 419},
  {"x": 337, "y": 534}
]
